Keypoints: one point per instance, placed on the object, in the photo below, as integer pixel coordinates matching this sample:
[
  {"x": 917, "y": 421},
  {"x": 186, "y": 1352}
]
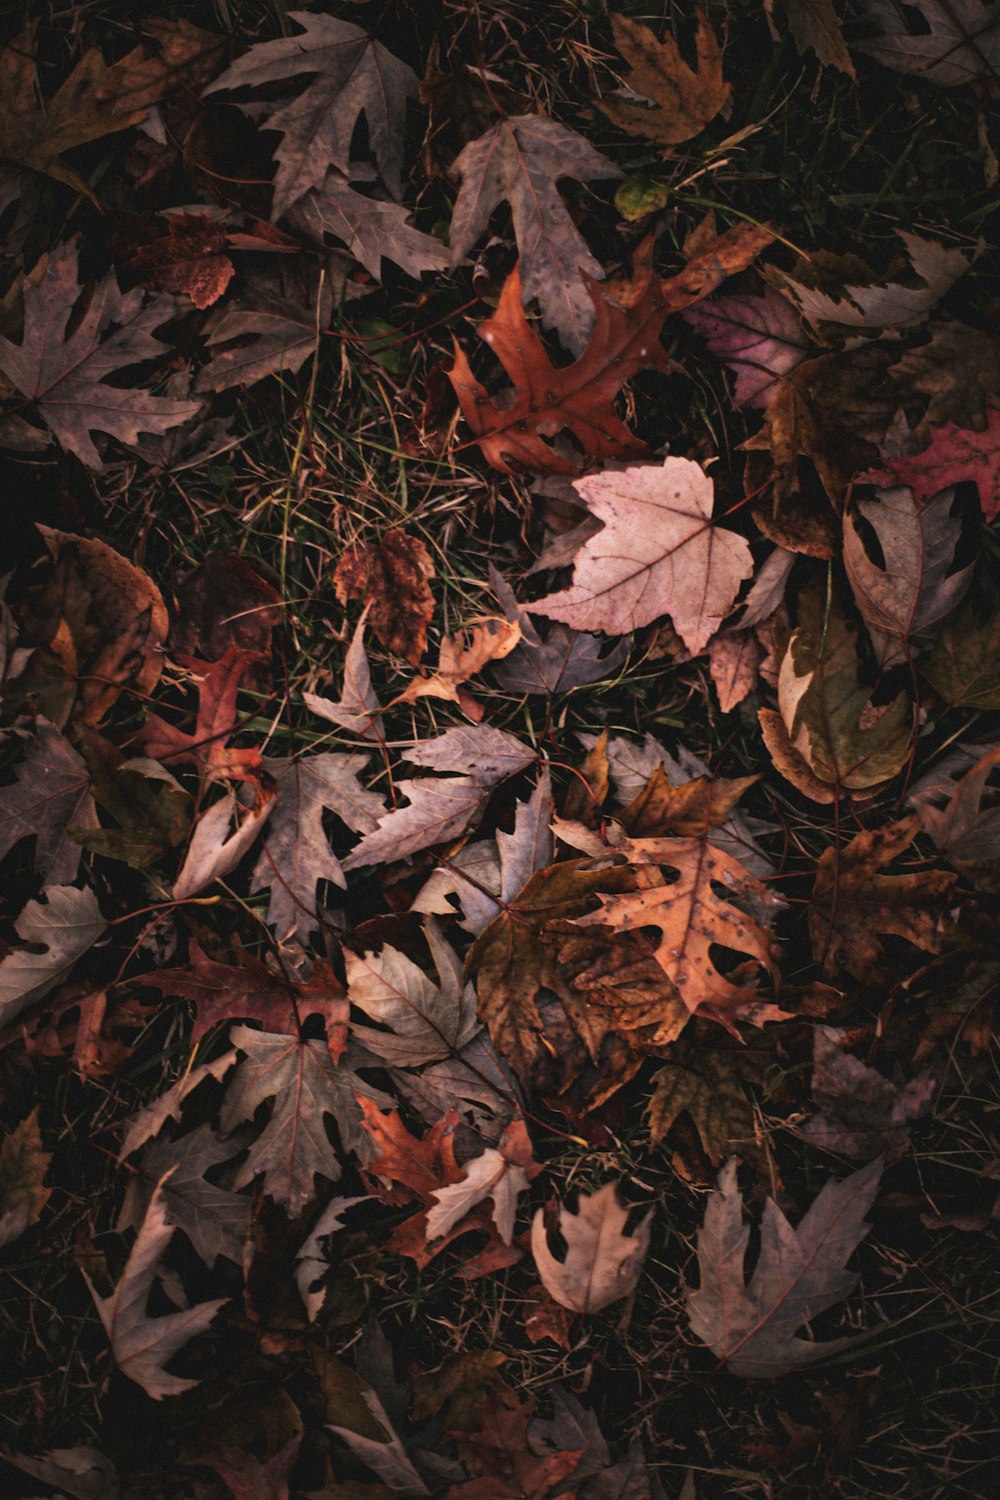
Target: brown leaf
[
  {"x": 507, "y": 1466},
  {"x": 393, "y": 579},
  {"x": 224, "y": 602},
  {"x": 218, "y": 684},
  {"x": 187, "y": 257},
  {"x": 486, "y": 640},
  {"x": 682, "y": 100},
  {"x": 815, "y": 26},
  {"x": 689, "y": 809},
  {"x": 23, "y": 1165},
  {"x": 859, "y": 1113},
  {"x": 51, "y": 793},
  {"x": 601, "y": 1262},
  {"x": 734, "y": 657},
  {"x": 708, "y": 1080},
  {"x": 967, "y": 830},
  {"x": 853, "y": 902}
]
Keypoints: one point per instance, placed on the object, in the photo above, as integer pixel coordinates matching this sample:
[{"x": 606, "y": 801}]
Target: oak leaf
[
  {"x": 602, "y": 1263},
  {"x": 853, "y": 902},
  {"x": 682, "y": 100},
  {"x": 354, "y": 75},
  {"x": 955, "y": 455},
  {"x": 52, "y": 791},
  {"x": 751, "y": 1327},
  {"x": 63, "y": 373},
  {"x": 218, "y": 683},
  {"x": 62, "y": 926},
  {"x": 519, "y": 160},
  {"x": 914, "y": 585},
  {"x": 958, "y": 42},
  {"x": 659, "y": 553},
  {"x": 759, "y": 338},
  {"x": 141, "y": 1346},
  {"x": 392, "y": 577}
]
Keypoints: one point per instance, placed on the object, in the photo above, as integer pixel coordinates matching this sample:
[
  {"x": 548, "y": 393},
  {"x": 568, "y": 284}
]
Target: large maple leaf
[
  {"x": 682, "y": 100},
  {"x": 799, "y": 1274},
  {"x": 515, "y": 431},
  {"x": 354, "y": 75},
  {"x": 958, "y": 41},
  {"x": 64, "y": 373},
  {"x": 520, "y": 160},
  {"x": 373, "y": 229},
  {"x": 657, "y": 554}
]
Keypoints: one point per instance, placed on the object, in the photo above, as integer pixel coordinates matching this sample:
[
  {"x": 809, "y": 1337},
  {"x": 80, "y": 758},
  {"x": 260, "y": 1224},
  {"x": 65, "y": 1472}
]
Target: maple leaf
[
  {"x": 393, "y": 578},
  {"x": 215, "y": 1220},
  {"x": 310, "y": 1261},
  {"x": 23, "y": 1165},
  {"x": 354, "y": 75},
  {"x": 169, "y": 1105},
  {"x": 682, "y": 100},
  {"x": 799, "y": 1274},
  {"x": 63, "y": 926},
  {"x": 502, "y": 1175},
  {"x": 519, "y": 160},
  {"x": 141, "y": 1346},
  {"x": 372, "y": 229},
  {"x": 692, "y": 918},
  {"x": 218, "y": 684},
  {"x": 296, "y": 853},
  {"x": 63, "y": 374},
  {"x": 966, "y": 829},
  {"x": 878, "y": 304},
  {"x": 52, "y": 791},
  {"x": 915, "y": 585},
  {"x": 602, "y": 1263},
  {"x": 853, "y": 902},
  {"x": 441, "y": 808},
  {"x": 954, "y": 455},
  {"x": 827, "y": 737},
  {"x": 357, "y": 709},
  {"x": 815, "y": 24},
  {"x": 219, "y": 840},
  {"x": 958, "y": 42},
  {"x": 859, "y": 1113},
  {"x": 760, "y": 338},
  {"x": 515, "y": 434},
  {"x": 659, "y": 553},
  {"x": 273, "y": 325},
  {"x": 422, "y": 1021},
  {"x": 305, "y": 1086}
]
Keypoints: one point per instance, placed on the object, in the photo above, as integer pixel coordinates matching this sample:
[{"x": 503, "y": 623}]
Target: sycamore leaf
[
  {"x": 422, "y": 1021},
  {"x": 141, "y": 1346},
  {"x": 799, "y": 1273},
  {"x": 64, "y": 926},
  {"x": 64, "y": 373},
  {"x": 215, "y": 1220},
  {"x": 270, "y": 327},
  {"x": 357, "y": 709},
  {"x": 828, "y": 736},
  {"x": 914, "y": 585},
  {"x": 23, "y": 1165},
  {"x": 815, "y": 25},
  {"x": 658, "y": 554},
  {"x": 301, "y": 1079},
  {"x": 759, "y": 338},
  {"x": 692, "y": 918},
  {"x": 954, "y": 42},
  {"x": 311, "y": 1261},
  {"x": 354, "y": 75},
  {"x": 51, "y": 793},
  {"x": 520, "y": 161},
  {"x": 853, "y": 902},
  {"x": 602, "y": 1263},
  {"x": 385, "y": 1455},
  {"x": 564, "y": 660},
  {"x": 296, "y": 855},
  {"x": 879, "y": 304},
  {"x": 954, "y": 455},
  {"x": 859, "y": 1113},
  {"x": 372, "y": 229},
  {"x": 967, "y": 829},
  {"x": 682, "y": 100},
  {"x": 217, "y": 846},
  {"x": 151, "y": 1120}
]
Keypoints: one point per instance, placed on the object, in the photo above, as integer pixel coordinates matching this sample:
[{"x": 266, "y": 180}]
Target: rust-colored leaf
[{"x": 393, "y": 578}]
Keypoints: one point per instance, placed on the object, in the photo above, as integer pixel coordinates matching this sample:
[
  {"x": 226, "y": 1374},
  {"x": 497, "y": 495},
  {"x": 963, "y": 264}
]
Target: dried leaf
[
  {"x": 168, "y": 1106},
  {"x": 217, "y": 846},
  {"x": 224, "y": 602},
  {"x": 709, "y": 1083},
  {"x": 423, "y": 1022},
  {"x": 462, "y": 657},
  {"x": 602, "y": 1262},
  {"x": 218, "y": 682},
  {"x": 493, "y": 1174},
  {"x": 964, "y": 666},
  {"x": 64, "y": 926},
  {"x": 372, "y": 229},
  {"x": 23, "y": 1165},
  {"x": 188, "y": 257},
  {"x": 760, "y": 338},
  {"x": 141, "y": 1346},
  {"x": 393, "y": 579},
  {"x": 799, "y": 1273},
  {"x": 682, "y": 100},
  {"x": 658, "y": 554},
  {"x": 310, "y": 1260},
  {"x": 269, "y": 328},
  {"x": 357, "y": 710},
  {"x": 216, "y": 1221},
  {"x": 51, "y": 793},
  {"x": 955, "y": 455},
  {"x": 966, "y": 830},
  {"x": 815, "y": 25},
  {"x": 734, "y": 657},
  {"x": 859, "y": 1113},
  {"x": 958, "y": 43}
]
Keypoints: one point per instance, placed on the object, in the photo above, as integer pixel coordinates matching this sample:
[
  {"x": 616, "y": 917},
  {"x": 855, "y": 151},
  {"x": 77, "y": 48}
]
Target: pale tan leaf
[
  {"x": 214, "y": 851},
  {"x": 64, "y": 926},
  {"x": 602, "y": 1262}
]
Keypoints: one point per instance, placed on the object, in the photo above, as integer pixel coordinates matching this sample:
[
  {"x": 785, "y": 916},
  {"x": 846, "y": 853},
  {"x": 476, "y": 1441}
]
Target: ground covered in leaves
[{"x": 500, "y": 654}]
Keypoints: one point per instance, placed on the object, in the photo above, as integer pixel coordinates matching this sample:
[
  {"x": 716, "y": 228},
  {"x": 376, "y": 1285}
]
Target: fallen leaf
[
  {"x": 373, "y": 229},
  {"x": 859, "y": 1113},
  {"x": 659, "y": 553},
  {"x": 502, "y": 1175},
  {"x": 141, "y": 1346},
  {"x": 215, "y": 1220},
  {"x": 218, "y": 684},
  {"x": 63, "y": 373},
  {"x": 853, "y": 902},
  {"x": 815, "y": 26},
  {"x": 224, "y": 602},
  {"x": 81, "y": 1472},
  {"x": 957, "y": 370},
  {"x": 51, "y": 793},
  {"x": 353, "y": 75},
  {"x": 357, "y": 710},
  {"x": 957, "y": 43},
  {"x": 421, "y": 1021},
  {"x": 967, "y": 829},
  {"x": 23, "y": 1165},
  {"x": 271, "y": 326},
  {"x": 247, "y": 1478},
  {"x": 734, "y": 657},
  {"x": 507, "y": 1465},
  {"x": 682, "y": 100},
  {"x": 168, "y": 1106},
  {"x": 708, "y": 1081},
  {"x": 310, "y": 1260},
  {"x": 393, "y": 579},
  {"x": 188, "y": 257},
  {"x": 912, "y": 583},
  {"x": 151, "y": 810},
  {"x": 955, "y": 455},
  {"x": 964, "y": 665},
  {"x": 462, "y": 657},
  {"x": 63, "y": 926},
  {"x": 602, "y": 1263},
  {"x": 759, "y": 338},
  {"x": 750, "y": 1327},
  {"x": 220, "y": 838}
]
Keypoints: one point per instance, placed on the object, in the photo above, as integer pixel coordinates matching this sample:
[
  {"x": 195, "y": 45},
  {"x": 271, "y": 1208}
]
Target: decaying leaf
[
  {"x": 860, "y": 1113},
  {"x": 659, "y": 553},
  {"x": 462, "y": 657},
  {"x": 751, "y": 1327},
  {"x": 141, "y": 1345},
  {"x": 215, "y": 1220},
  {"x": 955, "y": 455},
  {"x": 23, "y": 1165},
  {"x": 682, "y": 100},
  {"x": 958, "y": 43},
  {"x": 373, "y": 229},
  {"x": 63, "y": 925},
  {"x": 222, "y": 835},
  {"x": 760, "y": 338},
  {"x": 602, "y": 1263},
  {"x": 853, "y": 902},
  {"x": 218, "y": 683},
  {"x": 816, "y": 26},
  {"x": 967, "y": 829},
  {"x": 964, "y": 665},
  {"x": 708, "y": 1080},
  {"x": 393, "y": 579},
  {"x": 502, "y": 1175},
  {"x": 273, "y": 325},
  {"x": 51, "y": 793}
]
